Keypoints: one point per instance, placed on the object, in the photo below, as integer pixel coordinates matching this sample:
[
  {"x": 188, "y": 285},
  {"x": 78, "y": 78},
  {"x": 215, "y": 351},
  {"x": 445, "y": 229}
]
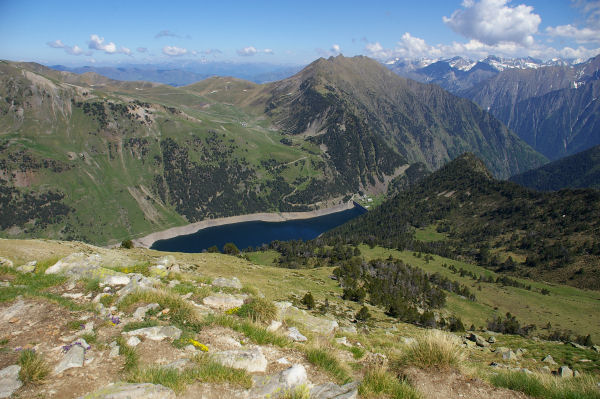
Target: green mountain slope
[
  {"x": 581, "y": 170},
  {"x": 550, "y": 236},
  {"x": 342, "y": 101},
  {"x": 89, "y": 158}
]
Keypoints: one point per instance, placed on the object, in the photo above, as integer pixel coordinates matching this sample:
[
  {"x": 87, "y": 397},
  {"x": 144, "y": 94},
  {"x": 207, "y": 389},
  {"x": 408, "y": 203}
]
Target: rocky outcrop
[
  {"x": 252, "y": 360},
  {"x": 157, "y": 333},
  {"x": 9, "y": 380}
]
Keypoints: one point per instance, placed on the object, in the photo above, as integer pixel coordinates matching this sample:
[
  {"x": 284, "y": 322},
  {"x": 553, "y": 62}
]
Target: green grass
[
  {"x": 203, "y": 370},
  {"x": 328, "y": 362},
  {"x": 378, "y": 381},
  {"x": 75, "y": 324},
  {"x": 134, "y": 325},
  {"x": 181, "y": 312},
  {"x": 33, "y": 367},
  {"x": 566, "y": 308},
  {"x": 130, "y": 355},
  {"x": 258, "y": 310},
  {"x": 357, "y": 352},
  {"x": 298, "y": 392},
  {"x": 251, "y": 330},
  {"x": 547, "y": 386},
  {"x": 434, "y": 349},
  {"x": 429, "y": 234}
]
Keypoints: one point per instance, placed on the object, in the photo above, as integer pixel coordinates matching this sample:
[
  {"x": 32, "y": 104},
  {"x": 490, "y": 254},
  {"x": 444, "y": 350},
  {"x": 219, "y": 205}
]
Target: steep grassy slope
[
  {"x": 551, "y": 236},
  {"x": 581, "y": 170},
  {"x": 110, "y": 160}
]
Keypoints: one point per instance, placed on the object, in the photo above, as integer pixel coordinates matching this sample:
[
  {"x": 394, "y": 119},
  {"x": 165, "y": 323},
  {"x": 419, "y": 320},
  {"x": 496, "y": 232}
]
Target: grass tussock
[
  {"x": 181, "y": 312},
  {"x": 203, "y": 370},
  {"x": 253, "y": 331},
  {"x": 33, "y": 367},
  {"x": 258, "y": 310},
  {"x": 434, "y": 349},
  {"x": 129, "y": 354},
  {"x": 325, "y": 359},
  {"x": 134, "y": 325},
  {"x": 299, "y": 392},
  {"x": 378, "y": 382},
  {"x": 548, "y": 386}
]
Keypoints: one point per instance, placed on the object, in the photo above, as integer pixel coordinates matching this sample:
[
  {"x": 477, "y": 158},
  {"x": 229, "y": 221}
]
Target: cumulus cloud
[
  {"x": 493, "y": 21},
  {"x": 333, "y": 51},
  {"x": 97, "y": 43},
  {"x": 174, "y": 51},
  {"x": 335, "y": 48},
  {"x": 72, "y": 50},
  {"x": 247, "y": 51},
  {"x": 251, "y": 50}
]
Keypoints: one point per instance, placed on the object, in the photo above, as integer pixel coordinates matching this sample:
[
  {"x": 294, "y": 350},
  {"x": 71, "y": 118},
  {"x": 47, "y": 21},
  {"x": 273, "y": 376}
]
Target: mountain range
[
  {"x": 553, "y": 106},
  {"x": 154, "y": 156}
]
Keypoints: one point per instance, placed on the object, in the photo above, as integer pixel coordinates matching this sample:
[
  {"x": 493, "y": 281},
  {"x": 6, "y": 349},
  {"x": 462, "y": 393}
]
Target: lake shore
[{"x": 147, "y": 241}]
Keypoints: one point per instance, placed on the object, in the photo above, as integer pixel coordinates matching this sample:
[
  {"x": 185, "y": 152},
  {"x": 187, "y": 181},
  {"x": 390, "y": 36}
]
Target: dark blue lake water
[{"x": 253, "y": 234}]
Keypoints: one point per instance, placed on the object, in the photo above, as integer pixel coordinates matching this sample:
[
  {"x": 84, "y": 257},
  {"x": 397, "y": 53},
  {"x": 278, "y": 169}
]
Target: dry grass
[
  {"x": 435, "y": 348},
  {"x": 181, "y": 312},
  {"x": 377, "y": 382},
  {"x": 548, "y": 386},
  {"x": 33, "y": 367}
]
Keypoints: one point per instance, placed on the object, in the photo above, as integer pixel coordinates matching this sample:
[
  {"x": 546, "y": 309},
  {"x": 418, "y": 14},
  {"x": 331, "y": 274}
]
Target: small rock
[
  {"x": 526, "y": 371},
  {"x": 330, "y": 390},
  {"x": 295, "y": 335},
  {"x": 121, "y": 390},
  {"x": 228, "y": 342},
  {"x": 28, "y": 267},
  {"x": 576, "y": 373},
  {"x": 585, "y": 361},
  {"x": 9, "y": 380},
  {"x": 6, "y": 262},
  {"x": 223, "y": 301},
  {"x": 520, "y": 351},
  {"x": 510, "y": 355},
  {"x": 269, "y": 386},
  {"x": 74, "y": 295},
  {"x": 564, "y": 372},
  {"x": 491, "y": 340},
  {"x": 284, "y": 361},
  {"x": 233, "y": 282},
  {"x": 180, "y": 364},
  {"x": 117, "y": 279},
  {"x": 114, "y": 352},
  {"x": 495, "y": 365},
  {"x": 408, "y": 340},
  {"x": 190, "y": 348},
  {"x": 73, "y": 358},
  {"x": 576, "y": 345},
  {"x": 274, "y": 326},
  {"x": 251, "y": 360},
  {"x": 157, "y": 333},
  {"x": 140, "y": 312},
  {"x": 479, "y": 341},
  {"x": 343, "y": 341},
  {"x": 596, "y": 348},
  {"x": 133, "y": 341},
  {"x": 548, "y": 359}
]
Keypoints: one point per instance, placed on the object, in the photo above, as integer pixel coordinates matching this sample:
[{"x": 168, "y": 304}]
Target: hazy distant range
[{"x": 187, "y": 74}]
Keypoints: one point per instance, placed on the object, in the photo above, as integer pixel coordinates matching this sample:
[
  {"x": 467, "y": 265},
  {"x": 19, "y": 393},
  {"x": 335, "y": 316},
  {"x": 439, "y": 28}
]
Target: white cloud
[
  {"x": 56, "y": 44},
  {"x": 336, "y": 49},
  {"x": 125, "y": 50},
  {"x": 72, "y": 50},
  {"x": 583, "y": 35},
  {"x": 492, "y": 22},
  {"x": 247, "y": 51},
  {"x": 268, "y": 51},
  {"x": 591, "y": 10},
  {"x": 97, "y": 43},
  {"x": 174, "y": 51},
  {"x": 141, "y": 49}
]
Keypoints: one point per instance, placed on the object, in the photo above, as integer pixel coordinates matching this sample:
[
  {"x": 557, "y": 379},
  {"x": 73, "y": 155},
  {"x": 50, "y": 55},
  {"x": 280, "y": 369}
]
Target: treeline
[{"x": 484, "y": 219}]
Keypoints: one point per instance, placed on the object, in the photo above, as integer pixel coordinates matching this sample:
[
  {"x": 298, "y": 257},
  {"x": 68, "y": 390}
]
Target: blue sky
[{"x": 293, "y": 32}]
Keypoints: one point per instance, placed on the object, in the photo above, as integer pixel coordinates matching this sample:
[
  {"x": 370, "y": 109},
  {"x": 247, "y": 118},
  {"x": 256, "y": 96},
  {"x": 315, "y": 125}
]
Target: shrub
[
  {"x": 231, "y": 249},
  {"x": 213, "y": 250},
  {"x": 455, "y": 324},
  {"x": 434, "y": 349},
  {"x": 259, "y": 310},
  {"x": 308, "y": 300},
  {"x": 33, "y": 367},
  {"x": 127, "y": 244},
  {"x": 363, "y": 314}
]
